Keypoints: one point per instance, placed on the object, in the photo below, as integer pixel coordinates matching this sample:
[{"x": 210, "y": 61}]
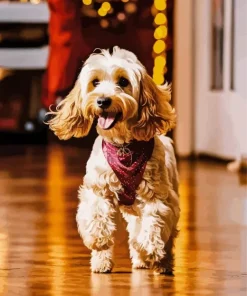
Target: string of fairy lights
[
  {"x": 105, "y": 10},
  {"x": 160, "y": 33},
  {"x": 158, "y": 11}
]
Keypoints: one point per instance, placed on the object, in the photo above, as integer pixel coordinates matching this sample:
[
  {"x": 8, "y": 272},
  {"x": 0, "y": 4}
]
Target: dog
[{"x": 132, "y": 167}]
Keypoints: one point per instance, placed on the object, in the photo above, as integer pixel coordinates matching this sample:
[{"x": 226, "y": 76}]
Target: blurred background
[
  {"x": 198, "y": 45},
  {"x": 43, "y": 45}
]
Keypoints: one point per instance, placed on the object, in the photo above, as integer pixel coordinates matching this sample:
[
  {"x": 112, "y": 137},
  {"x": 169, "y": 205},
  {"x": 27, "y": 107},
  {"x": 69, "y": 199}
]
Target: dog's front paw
[
  {"x": 159, "y": 268},
  {"x": 97, "y": 243},
  {"x": 102, "y": 267},
  {"x": 101, "y": 262},
  {"x": 139, "y": 264},
  {"x": 152, "y": 245}
]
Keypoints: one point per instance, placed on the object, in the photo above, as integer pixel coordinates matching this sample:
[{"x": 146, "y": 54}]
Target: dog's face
[
  {"x": 110, "y": 90},
  {"x": 116, "y": 89}
]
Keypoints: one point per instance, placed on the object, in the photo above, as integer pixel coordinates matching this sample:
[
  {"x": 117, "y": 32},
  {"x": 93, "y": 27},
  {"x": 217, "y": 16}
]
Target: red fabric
[
  {"x": 129, "y": 166},
  {"x": 66, "y": 49}
]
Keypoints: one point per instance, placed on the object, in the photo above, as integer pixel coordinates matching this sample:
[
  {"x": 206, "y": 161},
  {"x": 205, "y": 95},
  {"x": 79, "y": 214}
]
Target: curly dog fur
[{"x": 144, "y": 113}]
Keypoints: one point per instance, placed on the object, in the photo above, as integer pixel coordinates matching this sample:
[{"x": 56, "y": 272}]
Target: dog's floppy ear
[
  {"x": 67, "y": 120},
  {"x": 156, "y": 115}
]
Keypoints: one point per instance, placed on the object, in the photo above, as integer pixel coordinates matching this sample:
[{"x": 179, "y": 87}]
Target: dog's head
[{"x": 116, "y": 89}]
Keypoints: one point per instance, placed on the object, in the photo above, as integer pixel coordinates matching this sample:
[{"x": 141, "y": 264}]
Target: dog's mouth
[{"x": 107, "y": 120}]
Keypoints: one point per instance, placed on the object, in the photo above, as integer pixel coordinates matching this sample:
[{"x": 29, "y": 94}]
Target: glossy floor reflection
[{"x": 41, "y": 252}]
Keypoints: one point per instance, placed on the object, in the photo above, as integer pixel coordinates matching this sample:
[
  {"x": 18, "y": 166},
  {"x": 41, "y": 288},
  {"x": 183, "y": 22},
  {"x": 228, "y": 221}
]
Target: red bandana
[{"x": 128, "y": 163}]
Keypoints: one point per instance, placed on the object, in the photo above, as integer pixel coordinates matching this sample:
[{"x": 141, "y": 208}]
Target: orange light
[
  {"x": 87, "y": 2},
  {"x": 160, "y": 19},
  {"x": 158, "y": 79},
  {"x": 160, "y": 32},
  {"x": 159, "y": 46},
  {"x": 104, "y": 23},
  {"x": 160, "y": 61},
  {"x": 102, "y": 12},
  {"x": 106, "y": 6},
  {"x": 160, "y": 4}
]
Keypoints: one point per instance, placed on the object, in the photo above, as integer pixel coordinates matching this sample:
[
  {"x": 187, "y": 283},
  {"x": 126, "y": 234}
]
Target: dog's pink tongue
[{"x": 106, "y": 120}]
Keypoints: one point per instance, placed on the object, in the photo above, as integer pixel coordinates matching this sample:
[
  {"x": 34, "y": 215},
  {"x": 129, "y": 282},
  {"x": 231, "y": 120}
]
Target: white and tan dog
[{"x": 132, "y": 112}]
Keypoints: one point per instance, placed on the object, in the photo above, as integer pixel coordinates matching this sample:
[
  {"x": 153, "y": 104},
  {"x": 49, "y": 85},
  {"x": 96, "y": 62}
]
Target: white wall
[
  {"x": 240, "y": 48},
  {"x": 240, "y": 67},
  {"x": 183, "y": 73},
  {"x": 209, "y": 121}
]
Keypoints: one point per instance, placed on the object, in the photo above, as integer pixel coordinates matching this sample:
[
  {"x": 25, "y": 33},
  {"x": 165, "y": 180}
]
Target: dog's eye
[
  {"x": 123, "y": 82},
  {"x": 95, "y": 82}
]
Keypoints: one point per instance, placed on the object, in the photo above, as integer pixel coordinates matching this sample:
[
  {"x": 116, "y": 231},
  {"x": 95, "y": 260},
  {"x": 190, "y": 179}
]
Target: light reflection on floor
[
  {"x": 56, "y": 215},
  {"x": 41, "y": 252}
]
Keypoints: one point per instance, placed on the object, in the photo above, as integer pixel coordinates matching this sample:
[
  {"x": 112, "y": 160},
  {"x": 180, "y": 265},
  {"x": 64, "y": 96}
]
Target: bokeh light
[
  {"x": 110, "y": 11},
  {"x": 160, "y": 32},
  {"x": 106, "y": 6},
  {"x": 87, "y": 2},
  {"x": 102, "y": 12},
  {"x": 160, "y": 61},
  {"x": 130, "y": 8},
  {"x": 154, "y": 11},
  {"x": 121, "y": 16},
  {"x": 35, "y": 1},
  {"x": 104, "y": 9},
  {"x": 158, "y": 79},
  {"x": 104, "y": 23},
  {"x": 160, "y": 19},
  {"x": 159, "y": 46},
  {"x": 160, "y": 4}
]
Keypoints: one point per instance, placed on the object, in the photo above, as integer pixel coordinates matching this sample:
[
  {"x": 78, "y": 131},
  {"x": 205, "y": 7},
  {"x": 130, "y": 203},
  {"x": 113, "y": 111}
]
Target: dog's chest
[
  {"x": 104, "y": 181},
  {"x": 128, "y": 163}
]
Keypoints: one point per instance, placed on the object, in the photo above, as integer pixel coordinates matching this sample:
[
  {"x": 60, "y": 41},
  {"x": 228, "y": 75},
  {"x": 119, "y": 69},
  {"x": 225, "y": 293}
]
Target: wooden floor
[{"x": 41, "y": 252}]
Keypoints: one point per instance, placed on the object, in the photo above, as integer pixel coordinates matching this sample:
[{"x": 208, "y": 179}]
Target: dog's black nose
[{"x": 104, "y": 103}]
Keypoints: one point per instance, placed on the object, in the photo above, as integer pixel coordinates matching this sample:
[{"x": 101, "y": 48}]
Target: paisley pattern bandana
[{"x": 128, "y": 163}]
